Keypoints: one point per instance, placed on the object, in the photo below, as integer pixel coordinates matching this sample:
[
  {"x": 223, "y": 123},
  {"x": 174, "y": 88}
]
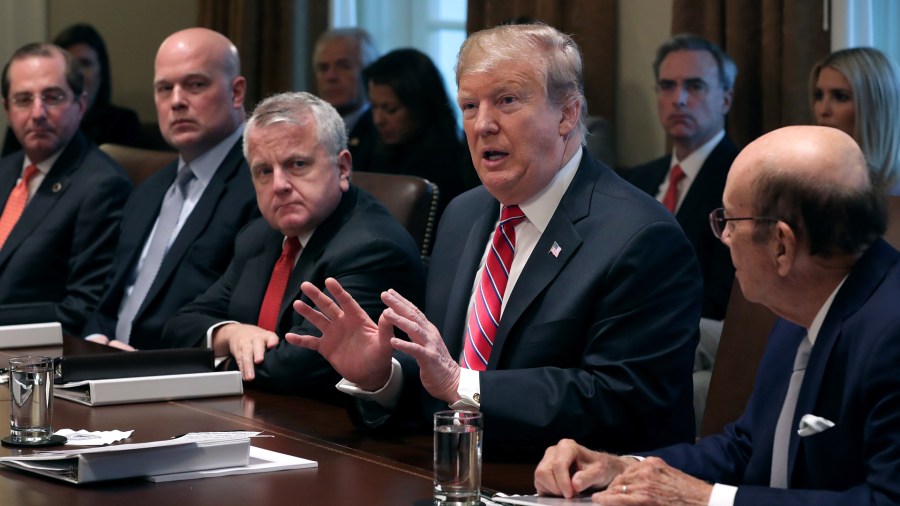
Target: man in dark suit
[
  {"x": 573, "y": 316},
  {"x": 316, "y": 226},
  {"x": 339, "y": 58},
  {"x": 199, "y": 96},
  {"x": 62, "y": 198},
  {"x": 694, "y": 90},
  {"x": 823, "y": 424}
]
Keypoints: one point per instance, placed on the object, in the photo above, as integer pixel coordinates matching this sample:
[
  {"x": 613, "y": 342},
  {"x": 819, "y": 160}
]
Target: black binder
[{"x": 133, "y": 364}]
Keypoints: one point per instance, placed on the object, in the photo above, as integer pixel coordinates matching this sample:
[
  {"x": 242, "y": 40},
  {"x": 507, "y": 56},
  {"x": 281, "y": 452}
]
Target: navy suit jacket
[
  {"x": 196, "y": 259},
  {"x": 360, "y": 245},
  {"x": 61, "y": 248},
  {"x": 704, "y": 195},
  {"x": 851, "y": 379},
  {"x": 596, "y": 343}
]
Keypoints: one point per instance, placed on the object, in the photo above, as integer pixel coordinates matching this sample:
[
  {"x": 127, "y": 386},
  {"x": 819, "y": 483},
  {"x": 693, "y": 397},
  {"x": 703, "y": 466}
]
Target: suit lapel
[
  {"x": 542, "y": 266},
  {"x": 863, "y": 280},
  {"x": 53, "y": 187},
  {"x": 461, "y": 292},
  {"x": 196, "y": 222}
]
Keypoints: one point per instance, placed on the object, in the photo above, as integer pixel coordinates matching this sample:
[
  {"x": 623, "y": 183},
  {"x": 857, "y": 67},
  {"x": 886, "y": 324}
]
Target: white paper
[
  {"x": 93, "y": 437},
  {"x": 533, "y": 499}
]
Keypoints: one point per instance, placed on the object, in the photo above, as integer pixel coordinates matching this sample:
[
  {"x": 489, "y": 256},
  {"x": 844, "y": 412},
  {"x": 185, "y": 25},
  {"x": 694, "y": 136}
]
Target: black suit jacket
[
  {"x": 596, "y": 343},
  {"x": 196, "y": 259},
  {"x": 360, "y": 245},
  {"x": 61, "y": 249},
  {"x": 851, "y": 379},
  {"x": 703, "y": 197},
  {"x": 362, "y": 140}
]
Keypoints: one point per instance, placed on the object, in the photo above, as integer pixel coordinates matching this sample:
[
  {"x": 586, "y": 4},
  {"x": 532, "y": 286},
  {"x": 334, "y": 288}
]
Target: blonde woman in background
[{"x": 857, "y": 90}]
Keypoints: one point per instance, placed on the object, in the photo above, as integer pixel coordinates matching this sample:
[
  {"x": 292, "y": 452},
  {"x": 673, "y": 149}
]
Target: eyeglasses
[
  {"x": 718, "y": 221},
  {"x": 50, "y": 98},
  {"x": 694, "y": 86}
]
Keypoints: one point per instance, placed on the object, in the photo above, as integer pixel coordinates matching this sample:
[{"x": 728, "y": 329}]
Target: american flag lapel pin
[{"x": 555, "y": 249}]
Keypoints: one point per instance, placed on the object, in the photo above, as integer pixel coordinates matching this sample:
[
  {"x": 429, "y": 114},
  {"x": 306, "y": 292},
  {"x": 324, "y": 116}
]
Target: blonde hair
[
  {"x": 875, "y": 84},
  {"x": 555, "y": 54}
]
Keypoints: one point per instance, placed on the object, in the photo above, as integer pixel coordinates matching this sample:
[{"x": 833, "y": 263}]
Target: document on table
[{"x": 528, "y": 500}]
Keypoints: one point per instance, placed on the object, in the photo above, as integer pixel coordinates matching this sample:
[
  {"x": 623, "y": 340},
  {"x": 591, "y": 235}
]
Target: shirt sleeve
[{"x": 722, "y": 495}]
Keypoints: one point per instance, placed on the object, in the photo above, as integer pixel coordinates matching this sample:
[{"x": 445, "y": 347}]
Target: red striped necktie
[{"x": 484, "y": 317}]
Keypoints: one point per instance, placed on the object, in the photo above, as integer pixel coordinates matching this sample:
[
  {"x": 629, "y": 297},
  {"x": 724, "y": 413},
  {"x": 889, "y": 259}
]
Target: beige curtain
[
  {"x": 262, "y": 30},
  {"x": 774, "y": 43},
  {"x": 592, "y": 23}
]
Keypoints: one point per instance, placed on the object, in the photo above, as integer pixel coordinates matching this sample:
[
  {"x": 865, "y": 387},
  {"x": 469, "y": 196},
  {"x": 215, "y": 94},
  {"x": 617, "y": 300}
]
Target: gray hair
[
  {"x": 368, "y": 51},
  {"x": 556, "y": 55},
  {"x": 690, "y": 42},
  {"x": 875, "y": 82},
  {"x": 299, "y": 108}
]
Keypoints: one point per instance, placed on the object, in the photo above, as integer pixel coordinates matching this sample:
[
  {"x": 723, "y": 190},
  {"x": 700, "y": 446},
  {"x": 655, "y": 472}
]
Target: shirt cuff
[
  {"x": 209, "y": 336},
  {"x": 387, "y": 396},
  {"x": 722, "y": 495},
  {"x": 469, "y": 391}
]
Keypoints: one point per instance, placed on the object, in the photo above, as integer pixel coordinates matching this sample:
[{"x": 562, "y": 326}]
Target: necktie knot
[
  {"x": 676, "y": 175},
  {"x": 183, "y": 180},
  {"x": 291, "y": 247},
  {"x": 30, "y": 172}
]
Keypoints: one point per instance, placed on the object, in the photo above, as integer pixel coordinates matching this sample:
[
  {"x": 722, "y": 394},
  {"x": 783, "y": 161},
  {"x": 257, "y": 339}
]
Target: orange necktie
[
  {"x": 670, "y": 200},
  {"x": 15, "y": 204},
  {"x": 271, "y": 306}
]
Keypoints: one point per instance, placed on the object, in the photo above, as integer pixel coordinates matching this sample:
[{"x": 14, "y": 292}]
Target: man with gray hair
[
  {"x": 694, "y": 92},
  {"x": 315, "y": 225},
  {"x": 560, "y": 299},
  {"x": 339, "y": 57}
]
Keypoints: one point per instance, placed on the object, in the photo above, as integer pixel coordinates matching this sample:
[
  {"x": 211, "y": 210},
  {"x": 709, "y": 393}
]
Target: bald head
[
  {"x": 813, "y": 178},
  {"x": 202, "y": 40},
  {"x": 825, "y": 156},
  {"x": 198, "y": 90}
]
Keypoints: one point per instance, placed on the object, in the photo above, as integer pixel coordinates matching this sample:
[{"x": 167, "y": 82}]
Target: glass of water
[
  {"x": 31, "y": 399},
  {"x": 457, "y": 457}
]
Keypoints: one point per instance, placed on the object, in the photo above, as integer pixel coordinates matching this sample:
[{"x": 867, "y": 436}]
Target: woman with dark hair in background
[
  {"x": 417, "y": 129},
  {"x": 103, "y": 122},
  {"x": 857, "y": 90}
]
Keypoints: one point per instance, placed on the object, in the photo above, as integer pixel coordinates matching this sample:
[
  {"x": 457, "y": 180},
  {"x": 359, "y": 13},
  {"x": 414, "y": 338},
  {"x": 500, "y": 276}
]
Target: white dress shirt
[
  {"x": 691, "y": 166},
  {"x": 538, "y": 210},
  {"x": 723, "y": 495}
]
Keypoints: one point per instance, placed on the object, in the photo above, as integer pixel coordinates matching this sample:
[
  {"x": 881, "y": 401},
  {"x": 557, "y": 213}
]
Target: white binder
[{"x": 151, "y": 388}]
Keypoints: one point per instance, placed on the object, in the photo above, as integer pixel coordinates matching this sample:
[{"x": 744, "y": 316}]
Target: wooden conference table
[{"x": 355, "y": 468}]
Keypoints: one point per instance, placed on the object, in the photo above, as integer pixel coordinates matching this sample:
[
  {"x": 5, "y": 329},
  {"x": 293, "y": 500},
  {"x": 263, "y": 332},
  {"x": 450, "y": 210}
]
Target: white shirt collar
[
  {"x": 816, "y": 326},
  {"x": 540, "y": 208},
  {"x": 693, "y": 162},
  {"x": 45, "y": 166}
]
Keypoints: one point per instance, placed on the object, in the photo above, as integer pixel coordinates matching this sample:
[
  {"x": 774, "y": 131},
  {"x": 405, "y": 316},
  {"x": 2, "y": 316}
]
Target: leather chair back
[
  {"x": 139, "y": 163},
  {"x": 411, "y": 200}
]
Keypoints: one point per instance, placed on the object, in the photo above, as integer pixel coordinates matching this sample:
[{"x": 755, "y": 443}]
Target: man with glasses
[
  {"x": 694, "y": 91},
  {"x": 803, "y": 225},
  {"x": 62, "y": 198}
]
